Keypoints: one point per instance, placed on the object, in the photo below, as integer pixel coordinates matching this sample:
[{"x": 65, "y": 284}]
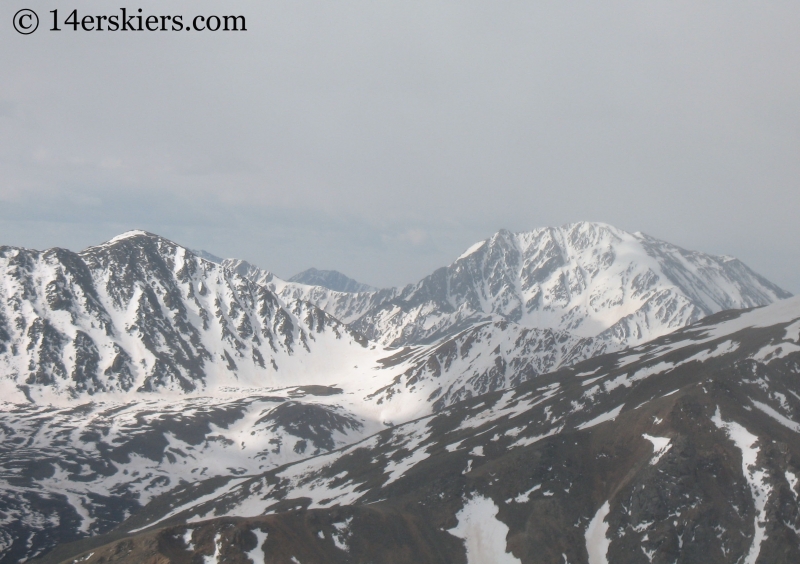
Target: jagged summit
[
  {"x": 331, "y": 279},
  {"x": 144, "y": 314}
]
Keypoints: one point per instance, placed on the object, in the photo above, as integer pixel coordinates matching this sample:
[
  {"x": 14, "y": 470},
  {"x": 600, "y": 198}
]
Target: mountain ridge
[
  {"x": 548, "y": 277},
  {"x": 152, "y": 359}
]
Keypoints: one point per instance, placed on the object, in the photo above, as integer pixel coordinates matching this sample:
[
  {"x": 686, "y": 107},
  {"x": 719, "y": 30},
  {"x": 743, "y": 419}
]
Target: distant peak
[
  {"x": 208, "y": 256},
  {"x": 589, "y": 224},
  {"x": 136, "y": 238},
  {"x": 130, "y": 234},
  {"x": 331, "y": 279}
]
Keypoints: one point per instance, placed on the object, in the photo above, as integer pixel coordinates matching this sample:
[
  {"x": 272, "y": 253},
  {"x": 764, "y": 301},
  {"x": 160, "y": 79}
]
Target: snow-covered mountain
[
  {"x": 685, "y": 449},
  {"x": 521, "y": 304},
  {"x": 128, "y": 366},
  {"x": 588, "y": 279},
  {"x": 142, "y": 314}
]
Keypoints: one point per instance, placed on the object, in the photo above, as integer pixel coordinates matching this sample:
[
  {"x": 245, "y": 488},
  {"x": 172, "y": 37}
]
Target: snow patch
[
  {"x": 214, "y": 558},
  {"x": 483, "y": 534},
  {"x": 257, "y": 554},
  {"x": 187, "y": 539},
  {"x": 342, "y": 534},
  {"x": 756, "y": 478},
  {"x": 525, "y": 496},
  {"x": 660, "y": 447},
  {"x": 780, "y": 418},
  {"x": 602, "y": 418},
  {"x": 597, "y": 542},
  {"x": 195, "y": 503},
  {"x": 791, "y": 477}
]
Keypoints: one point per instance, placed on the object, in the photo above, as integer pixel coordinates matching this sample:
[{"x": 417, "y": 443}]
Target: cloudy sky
[{"x": 384, "y": 138}]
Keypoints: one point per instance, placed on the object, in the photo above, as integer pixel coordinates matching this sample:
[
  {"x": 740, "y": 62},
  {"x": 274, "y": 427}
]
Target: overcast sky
[{"x": 384, "y": 138}]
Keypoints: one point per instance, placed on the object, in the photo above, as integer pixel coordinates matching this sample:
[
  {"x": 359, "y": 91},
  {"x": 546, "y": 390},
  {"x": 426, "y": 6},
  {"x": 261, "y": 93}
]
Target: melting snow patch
[
  {"x": 597, "y": 542},
  {"x": 525, "y": 441},
  {"x": 585, "y": 374},
  {"x": 524, "y": 497},
  {"x": 257, "y": 554},
  {"x": 791, "y": 477},
  {"x": 591, "y": 381},
  {"x": 782, "y": 419},
  {"x": 602, "y": 418},
  {"x": 453, "y": 447},
  {"x": 187, "y": 539},
  {"x": 484, "y": 535},
  {"x": 648, "y": 371},
  {"x": 660, "y": 447},
  {"x": 720, "y": 349},
  {"x": 341, "y": 534},
  {"x": 757, "y": 479},
  {"x": 77, "y": 504},
  {"x": 410, "y": 442},
  {"x": 214, "y": 558}
]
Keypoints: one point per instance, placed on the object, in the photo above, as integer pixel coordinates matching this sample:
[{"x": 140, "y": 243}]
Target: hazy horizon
[{"x": 383, "y": 140}]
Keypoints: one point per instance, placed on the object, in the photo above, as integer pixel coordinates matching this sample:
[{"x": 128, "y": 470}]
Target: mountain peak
[
  {"x": 331, "y": 279},
  {"x": 133, "y": 233},
  {"x": 208, "y": 256}
]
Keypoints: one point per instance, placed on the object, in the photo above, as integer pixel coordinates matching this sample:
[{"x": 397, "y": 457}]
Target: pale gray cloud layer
[{"x": 382, "y": 139}]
